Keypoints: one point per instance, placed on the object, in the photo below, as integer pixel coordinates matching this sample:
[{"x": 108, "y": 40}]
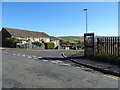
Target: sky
[
  {"x": 119, "y": 19},
  {"x": 62, "y": 18},
  {"x": 59, "y": 0}
]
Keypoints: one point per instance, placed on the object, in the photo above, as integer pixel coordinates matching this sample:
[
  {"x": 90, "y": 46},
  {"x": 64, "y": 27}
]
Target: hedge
[
  {"x": 49, "y": 45},
  {"x": 37, "y": 43},
  {"x": 107, "y": 59}
]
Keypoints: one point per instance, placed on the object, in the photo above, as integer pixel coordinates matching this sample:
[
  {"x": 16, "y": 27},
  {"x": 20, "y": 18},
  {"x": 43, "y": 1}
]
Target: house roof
[{"x": 25, "y": 33}]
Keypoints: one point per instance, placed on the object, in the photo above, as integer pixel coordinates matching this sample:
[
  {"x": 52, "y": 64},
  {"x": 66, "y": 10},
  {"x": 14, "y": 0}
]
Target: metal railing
[{"x": 108, "y": 46}]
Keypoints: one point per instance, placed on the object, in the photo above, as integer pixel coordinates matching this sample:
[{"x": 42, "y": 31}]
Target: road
[{"x": 48, "y": 69}]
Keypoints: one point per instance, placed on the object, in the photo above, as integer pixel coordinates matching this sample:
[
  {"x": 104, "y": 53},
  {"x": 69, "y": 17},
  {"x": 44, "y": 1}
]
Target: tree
[
  {"x": 12, "y": 41},
  {"x": 81, "y": 42}
]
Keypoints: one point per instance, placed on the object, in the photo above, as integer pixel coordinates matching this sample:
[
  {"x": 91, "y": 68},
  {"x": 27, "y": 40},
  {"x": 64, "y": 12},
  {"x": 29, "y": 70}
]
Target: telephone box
[{"x": 88, "y": 44}]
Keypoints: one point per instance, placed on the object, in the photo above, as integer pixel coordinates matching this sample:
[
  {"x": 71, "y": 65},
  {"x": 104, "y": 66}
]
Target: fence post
[
  {"x": 100, "y": 46},
  {"x": 109, "y": 46},
  {"x": 97, "y": 48},
  {"x": 113, "y": 46},
  {"x": 105, "y": 45},
  {"x": 102, "y": 50}
]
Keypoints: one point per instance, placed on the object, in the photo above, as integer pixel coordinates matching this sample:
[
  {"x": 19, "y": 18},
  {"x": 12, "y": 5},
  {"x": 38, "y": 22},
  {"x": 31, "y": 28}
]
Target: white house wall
[
  {"x": 36, "y": 39},
  {"x": 32, "y": 39},
  {"x": 56, "y": 42},
  {"x": 45, "y": 39}
]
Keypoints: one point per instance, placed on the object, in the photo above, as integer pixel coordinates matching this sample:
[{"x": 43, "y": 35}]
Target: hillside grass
[
  {"x": 77, "y": 51},
  {"x": 70, "y": 40}
]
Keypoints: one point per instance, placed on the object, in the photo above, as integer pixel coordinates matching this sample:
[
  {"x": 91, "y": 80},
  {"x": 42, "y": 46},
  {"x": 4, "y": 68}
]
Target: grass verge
[
  {"x": 115, "y": 60},
  {"x": 77, "y": 51},
  {"x": 107, "y": 59}
]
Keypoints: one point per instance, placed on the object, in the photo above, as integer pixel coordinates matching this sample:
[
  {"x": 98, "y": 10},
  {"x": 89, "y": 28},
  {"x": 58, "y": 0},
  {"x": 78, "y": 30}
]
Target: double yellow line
[{"x": 113, "y": 77}]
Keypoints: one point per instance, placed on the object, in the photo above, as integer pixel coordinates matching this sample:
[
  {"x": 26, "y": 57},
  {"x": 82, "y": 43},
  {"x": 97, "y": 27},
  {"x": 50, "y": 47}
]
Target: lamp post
[{"x": 86, "y": 18}]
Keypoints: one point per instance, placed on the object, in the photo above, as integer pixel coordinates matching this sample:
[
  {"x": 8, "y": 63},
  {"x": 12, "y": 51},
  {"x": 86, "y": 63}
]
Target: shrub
[
  {"x": 81, "y": 42},
  {"x": 106, "y": 59},
  {"x": 49, "y": 45},
  {"x": 37, "y": 43},
  {"x": 11, "y": 42}
]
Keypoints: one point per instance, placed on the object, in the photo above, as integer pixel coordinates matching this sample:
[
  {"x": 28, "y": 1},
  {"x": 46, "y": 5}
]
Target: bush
[
  {"x": 49, "y": 45},
  {"x": 37, "y": 44},
  {"x": 107, "y": 59},
  {"x": 11, "y": 42}
]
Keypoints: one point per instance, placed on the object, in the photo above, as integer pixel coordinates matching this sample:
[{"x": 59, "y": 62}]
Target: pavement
[
  {"x": 48, "y": 69},
  {"x": 78, "y": 57}
]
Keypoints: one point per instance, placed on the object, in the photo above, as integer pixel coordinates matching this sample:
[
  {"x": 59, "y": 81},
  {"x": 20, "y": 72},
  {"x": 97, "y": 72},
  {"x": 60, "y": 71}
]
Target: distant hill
[
  {"x": 76, "y": 38},
  {"x": 72, "y": 37},
  {"x": 71, "y": 40}
]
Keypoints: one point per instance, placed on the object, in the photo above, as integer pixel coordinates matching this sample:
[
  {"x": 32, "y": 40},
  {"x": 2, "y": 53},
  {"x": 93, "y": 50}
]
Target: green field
[
  {"x": 77, "y": 51},
  {"x": 70, "y": 40}
]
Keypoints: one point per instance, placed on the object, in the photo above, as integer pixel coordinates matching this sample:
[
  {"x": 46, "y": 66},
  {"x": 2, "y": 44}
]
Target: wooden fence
[{"x": 108, "y": 46}]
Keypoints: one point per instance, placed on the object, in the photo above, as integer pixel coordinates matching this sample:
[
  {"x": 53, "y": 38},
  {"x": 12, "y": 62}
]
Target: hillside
[
  {"x": 72, "y": 37},
  {"x": 71, "y": 40}
]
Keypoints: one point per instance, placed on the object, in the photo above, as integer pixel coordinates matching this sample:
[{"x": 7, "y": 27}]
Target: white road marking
[
  {"x": 13, "y": 54},
  {"x": 45, "y": 60},
  {"x": 66, "y": 64},
  {"x": 59, "y": 61},
  {"x": 39, "y": 57},
  {"x": 29, "y": 57},
  {"x": 23, "y": 55},
  {"x": 34, "y": 56},
  {"x": 54, "y": 62}
]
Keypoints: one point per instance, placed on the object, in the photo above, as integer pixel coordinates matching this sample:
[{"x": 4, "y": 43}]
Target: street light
[{"x": 86, "y": 18}]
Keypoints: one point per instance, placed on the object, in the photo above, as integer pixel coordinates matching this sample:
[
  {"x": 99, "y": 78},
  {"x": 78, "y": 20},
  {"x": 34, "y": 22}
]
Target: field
[
  {"x": 77, "y": 51},
  {"x": 71, "y": 40}
]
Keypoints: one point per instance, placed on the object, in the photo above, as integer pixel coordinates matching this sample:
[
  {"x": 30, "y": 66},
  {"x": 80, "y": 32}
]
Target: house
[
  {"x": 26, "y": 36},
  {"x": 55, "y": 40}
]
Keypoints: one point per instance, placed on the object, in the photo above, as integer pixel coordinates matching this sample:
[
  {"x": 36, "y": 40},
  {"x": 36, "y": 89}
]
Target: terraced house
[{"x": 27, "y": 37}]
